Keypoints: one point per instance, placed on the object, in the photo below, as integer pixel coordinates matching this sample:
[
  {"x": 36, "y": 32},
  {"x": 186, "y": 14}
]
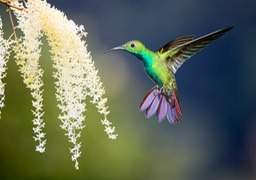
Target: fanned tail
[
  {"x": 157, "y": 102},
  {"x": 174, "y": 113}
]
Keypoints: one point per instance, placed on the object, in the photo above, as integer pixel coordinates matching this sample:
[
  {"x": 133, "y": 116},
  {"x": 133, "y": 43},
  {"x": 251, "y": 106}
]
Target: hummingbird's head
[{"x": 134, "y": 47}]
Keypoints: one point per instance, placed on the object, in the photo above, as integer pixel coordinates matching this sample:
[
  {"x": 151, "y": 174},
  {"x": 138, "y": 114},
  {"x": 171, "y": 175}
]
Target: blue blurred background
[{"x": 217, "y": 138}]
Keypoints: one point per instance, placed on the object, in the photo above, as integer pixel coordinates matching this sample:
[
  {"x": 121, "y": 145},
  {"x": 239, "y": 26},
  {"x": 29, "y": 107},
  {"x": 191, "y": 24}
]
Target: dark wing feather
[
  {"x": 185, "y": 51},
  {"x": 176, "y": 42}
]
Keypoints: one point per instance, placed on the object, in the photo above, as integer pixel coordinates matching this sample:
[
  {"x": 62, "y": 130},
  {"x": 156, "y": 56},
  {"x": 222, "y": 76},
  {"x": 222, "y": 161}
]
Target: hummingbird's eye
[{"x": 132, "y": 45}]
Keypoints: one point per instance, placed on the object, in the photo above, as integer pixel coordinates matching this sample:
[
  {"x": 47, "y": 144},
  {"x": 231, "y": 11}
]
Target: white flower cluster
[
  {"x": 27, "y": 57},
  {"x": 4, "y": 55},
  {"x": 75, "y": 73}
]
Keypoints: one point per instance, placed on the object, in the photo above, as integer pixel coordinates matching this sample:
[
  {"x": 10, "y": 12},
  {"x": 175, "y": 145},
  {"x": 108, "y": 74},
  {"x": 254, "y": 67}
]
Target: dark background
[{"x": 217, "y": 138}]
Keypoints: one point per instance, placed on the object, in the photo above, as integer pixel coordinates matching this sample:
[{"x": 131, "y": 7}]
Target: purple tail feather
[{"x": 157, "y": 102}]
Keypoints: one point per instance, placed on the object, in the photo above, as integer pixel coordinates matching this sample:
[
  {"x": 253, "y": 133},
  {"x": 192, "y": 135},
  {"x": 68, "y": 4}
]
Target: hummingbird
[{"x": 161, "y": 65}]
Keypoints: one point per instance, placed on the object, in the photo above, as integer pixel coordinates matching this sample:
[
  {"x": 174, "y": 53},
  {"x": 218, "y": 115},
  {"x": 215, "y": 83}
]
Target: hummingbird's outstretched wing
[
  {"x": 175, "y": 43},
  {"x": 180, "y": 52}
]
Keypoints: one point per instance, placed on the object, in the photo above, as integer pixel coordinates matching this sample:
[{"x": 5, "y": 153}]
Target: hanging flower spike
[
  {"x": 4, "y": 55},
  {"x": 27, "y": 57},
  {"x": 75, "y": 75}
]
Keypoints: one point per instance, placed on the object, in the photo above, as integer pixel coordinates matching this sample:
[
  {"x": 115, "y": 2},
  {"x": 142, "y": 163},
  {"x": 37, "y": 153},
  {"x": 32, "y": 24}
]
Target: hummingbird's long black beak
[{"x": 114, "y": 48}]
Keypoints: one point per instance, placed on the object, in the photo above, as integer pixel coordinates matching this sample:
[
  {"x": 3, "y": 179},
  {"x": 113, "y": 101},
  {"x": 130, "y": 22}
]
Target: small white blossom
[{"x": 108, "y": 129}]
